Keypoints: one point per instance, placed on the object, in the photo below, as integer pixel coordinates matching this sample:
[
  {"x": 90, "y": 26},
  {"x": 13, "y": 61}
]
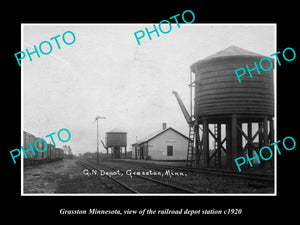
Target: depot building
[{"x": 165, "y": 144}]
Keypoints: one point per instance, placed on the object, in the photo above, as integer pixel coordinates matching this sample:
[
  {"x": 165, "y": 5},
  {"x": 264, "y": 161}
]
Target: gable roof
[{"x": 154, "y": 135}]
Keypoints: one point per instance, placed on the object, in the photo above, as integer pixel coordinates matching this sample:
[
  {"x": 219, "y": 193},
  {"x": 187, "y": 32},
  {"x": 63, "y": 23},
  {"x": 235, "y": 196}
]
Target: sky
[{"x": 106, "y": 73}]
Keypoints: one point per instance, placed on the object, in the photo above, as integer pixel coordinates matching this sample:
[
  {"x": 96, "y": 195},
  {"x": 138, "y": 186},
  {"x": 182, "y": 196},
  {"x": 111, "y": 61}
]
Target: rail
[
  {"x": 160, "y": 186},
  {"x": 256, "y": 177}
]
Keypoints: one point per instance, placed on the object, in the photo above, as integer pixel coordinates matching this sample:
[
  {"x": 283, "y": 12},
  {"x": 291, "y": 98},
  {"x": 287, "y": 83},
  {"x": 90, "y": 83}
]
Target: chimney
[{"x": 164, "y": 126}]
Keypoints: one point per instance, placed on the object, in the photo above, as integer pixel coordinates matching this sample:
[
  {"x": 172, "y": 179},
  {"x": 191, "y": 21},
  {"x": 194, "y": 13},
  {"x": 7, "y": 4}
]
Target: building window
[{"x": 169, "y": 150}]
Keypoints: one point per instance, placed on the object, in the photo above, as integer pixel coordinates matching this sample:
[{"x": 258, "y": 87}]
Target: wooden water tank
[
  {"x": 116, "y": 138},
  {"x": 218, "y": 91}
]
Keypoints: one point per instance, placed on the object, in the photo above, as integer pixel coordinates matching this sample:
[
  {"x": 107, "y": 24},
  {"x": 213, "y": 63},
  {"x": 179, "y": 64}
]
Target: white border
[
  {"x": 129, "y": 24},
  {"x": 22, "y": 109}
]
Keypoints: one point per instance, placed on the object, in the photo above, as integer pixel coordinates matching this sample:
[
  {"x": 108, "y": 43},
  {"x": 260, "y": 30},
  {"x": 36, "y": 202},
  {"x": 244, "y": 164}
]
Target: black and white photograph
[
  {"x": 150, "y": 111},
  {"x": 177, "y": 113}
]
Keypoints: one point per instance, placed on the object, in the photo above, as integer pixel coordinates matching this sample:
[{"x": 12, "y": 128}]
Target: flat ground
[{"x": 63, "y": 176}]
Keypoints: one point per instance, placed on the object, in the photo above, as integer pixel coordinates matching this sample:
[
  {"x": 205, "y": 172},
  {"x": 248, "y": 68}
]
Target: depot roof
[{"x": 152, "y": 136}]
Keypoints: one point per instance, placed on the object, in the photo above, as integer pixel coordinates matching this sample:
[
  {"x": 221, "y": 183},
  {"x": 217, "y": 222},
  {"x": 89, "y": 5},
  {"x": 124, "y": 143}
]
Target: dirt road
[{"x": 61, "y": 177}]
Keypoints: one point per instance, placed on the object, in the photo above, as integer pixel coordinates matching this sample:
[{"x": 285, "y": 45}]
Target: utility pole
[{"x": 98, "y": 117}]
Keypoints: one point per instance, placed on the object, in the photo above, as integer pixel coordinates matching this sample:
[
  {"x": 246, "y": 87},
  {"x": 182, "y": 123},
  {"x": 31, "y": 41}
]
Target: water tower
[
  {"x": 116, "y": 140},
  {"x": 232, "y": 108}
]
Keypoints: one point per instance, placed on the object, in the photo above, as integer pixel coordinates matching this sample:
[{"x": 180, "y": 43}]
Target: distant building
[{"x": 166, "y": 144}]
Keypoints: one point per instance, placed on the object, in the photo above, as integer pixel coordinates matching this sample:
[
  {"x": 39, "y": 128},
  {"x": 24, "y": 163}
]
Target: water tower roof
[
  {"x": 232, "y": 51},
  {"x": 116, "y": 130}
]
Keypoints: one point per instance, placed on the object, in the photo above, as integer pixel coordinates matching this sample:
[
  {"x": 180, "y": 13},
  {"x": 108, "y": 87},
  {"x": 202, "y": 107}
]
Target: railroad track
[
  {"x": 251, "y": 177},
  {"x": 137, "y": 183}
]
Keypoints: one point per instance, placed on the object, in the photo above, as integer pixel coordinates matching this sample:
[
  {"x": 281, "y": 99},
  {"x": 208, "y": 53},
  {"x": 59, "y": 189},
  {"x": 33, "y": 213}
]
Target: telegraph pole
[{"x": 98, "y": 117}]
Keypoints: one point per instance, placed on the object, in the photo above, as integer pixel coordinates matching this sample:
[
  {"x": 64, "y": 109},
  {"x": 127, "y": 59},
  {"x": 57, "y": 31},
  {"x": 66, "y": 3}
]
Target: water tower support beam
[
  {"x": 234, "y": 137},
  {"x": 260, "y": 139},
  {"x": 266, "y": 131},
  {"x": 228, "y": 145},
  {"x": 219, "y": 145},
  {"x": 266, "y": 139},
  {"x": 205, "y": 143},
  {"x": 271, "y": 136},
  {"x": 239, "y": 139},
  {"x": 249, "y": 132}
]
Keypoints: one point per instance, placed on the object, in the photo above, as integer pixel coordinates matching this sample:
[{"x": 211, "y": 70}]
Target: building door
[{"x": 141, "y": 152}]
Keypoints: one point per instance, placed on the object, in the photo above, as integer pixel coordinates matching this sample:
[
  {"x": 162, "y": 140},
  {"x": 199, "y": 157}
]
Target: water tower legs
[
  {"x": 198, "y": 145},
  {"x": 228, "y": 145},
  {"x": 218, "y": 146},
  {"x": 238, "y": 141},
  {"x": 205, "y": 139}
]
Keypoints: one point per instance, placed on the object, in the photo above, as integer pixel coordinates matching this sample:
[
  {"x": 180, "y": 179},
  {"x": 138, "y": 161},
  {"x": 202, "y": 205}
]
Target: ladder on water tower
[{"x": 190, "y": 152}]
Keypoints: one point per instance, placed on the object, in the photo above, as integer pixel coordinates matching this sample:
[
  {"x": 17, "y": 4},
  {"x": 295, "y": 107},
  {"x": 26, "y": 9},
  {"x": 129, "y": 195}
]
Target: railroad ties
[{"x": 153, "y": 178}]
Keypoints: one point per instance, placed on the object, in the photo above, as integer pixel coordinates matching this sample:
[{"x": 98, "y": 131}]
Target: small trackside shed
[{"x": 166, "y": 144}]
